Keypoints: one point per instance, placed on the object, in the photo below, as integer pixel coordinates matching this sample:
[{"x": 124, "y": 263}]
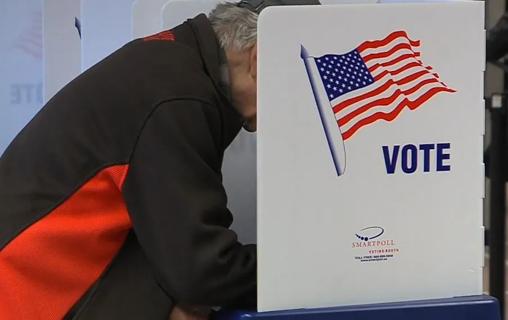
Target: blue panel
[{"x": 461, "y": 308}]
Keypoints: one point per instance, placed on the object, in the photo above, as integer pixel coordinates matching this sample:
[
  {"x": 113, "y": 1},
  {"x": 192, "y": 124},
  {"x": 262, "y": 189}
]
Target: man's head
[
  {"x": 235, "y": 25},
  {"x": 236, "y": 29}
]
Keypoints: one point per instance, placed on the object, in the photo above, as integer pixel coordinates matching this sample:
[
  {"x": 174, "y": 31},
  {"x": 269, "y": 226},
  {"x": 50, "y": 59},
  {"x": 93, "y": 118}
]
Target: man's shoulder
[{"x": 170, "y": 69}]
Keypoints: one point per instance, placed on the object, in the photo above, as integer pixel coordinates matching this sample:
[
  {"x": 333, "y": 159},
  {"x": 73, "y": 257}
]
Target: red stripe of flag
[
  {"x": 339, "y": 107},
  {"x": 388, "y": 39},
  {"x": 384, "y": 101},
  {"x": 410, "y": 77},
  {"x": 408, "y": 66},
  {"x": 378, "y": 90},
  {"x": 392, "y": 115},
  {"x": 384, "y": 54},
  {"x": 390, "y": 63}
]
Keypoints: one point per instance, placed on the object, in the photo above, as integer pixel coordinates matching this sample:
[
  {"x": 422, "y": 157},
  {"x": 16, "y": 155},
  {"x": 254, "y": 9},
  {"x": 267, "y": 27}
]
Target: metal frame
[{"x": 497, "y": 172}]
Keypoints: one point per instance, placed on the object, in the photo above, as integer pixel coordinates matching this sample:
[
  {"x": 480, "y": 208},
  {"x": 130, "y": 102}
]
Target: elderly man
[{"x": 112, "y": 205}]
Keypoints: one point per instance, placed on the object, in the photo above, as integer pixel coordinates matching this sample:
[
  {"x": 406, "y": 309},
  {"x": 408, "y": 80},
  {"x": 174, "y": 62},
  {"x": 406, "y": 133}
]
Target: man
[{"x": 111, "y": 201}]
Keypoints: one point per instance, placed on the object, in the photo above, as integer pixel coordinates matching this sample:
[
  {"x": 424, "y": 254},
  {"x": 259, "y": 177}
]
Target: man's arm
[{"x": 177, "y": 204}]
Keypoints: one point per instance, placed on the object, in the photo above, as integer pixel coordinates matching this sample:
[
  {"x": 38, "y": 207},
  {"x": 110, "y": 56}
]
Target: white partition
[
  {"x": 239, "y": 176},
  {"x": 421, "y": 1},
  {"x": 399, "y": 89},
  {"x": 327, "y": 2},
  {"x": 62, "y": 44},
  {"x": 176, "y": 11},
  {"x": 105, "y": 27},
  {"x": 147, "y": 17},
  {"x": 20, "y": 66}
]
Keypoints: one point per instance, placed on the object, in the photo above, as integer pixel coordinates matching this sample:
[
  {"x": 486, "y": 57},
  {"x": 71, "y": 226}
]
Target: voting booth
[
  {"x": 369, "y": 147},
  {"x": 370, "y": 173}
]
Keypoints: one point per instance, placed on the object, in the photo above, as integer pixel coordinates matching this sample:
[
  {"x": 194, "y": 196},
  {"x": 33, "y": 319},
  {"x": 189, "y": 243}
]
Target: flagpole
[{"x": 332, "y": 131}]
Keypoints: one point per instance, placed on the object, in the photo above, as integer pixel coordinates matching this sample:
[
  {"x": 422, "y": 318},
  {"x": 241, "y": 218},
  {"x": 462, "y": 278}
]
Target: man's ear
[{"x": 253, "y": 61}]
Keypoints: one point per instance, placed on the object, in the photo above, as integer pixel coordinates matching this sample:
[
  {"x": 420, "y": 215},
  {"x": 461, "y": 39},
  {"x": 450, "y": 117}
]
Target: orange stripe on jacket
[
  {"x": 50, "y": 265},
  {"x": 161, "y": 36}
]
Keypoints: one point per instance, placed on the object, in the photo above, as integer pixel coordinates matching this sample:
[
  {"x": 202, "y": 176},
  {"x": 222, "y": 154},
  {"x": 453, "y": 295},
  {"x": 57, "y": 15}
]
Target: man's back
[{"x": 130, "y": 144}]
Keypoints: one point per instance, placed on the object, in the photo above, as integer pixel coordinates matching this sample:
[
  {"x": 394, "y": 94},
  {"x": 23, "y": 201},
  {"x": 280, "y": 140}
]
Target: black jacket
[{"x": 111, "y": 199}]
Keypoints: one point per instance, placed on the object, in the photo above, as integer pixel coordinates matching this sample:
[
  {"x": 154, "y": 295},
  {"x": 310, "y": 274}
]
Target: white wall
[
  {"x": 20, "y": 66},
  {"x": 62, "y": 44}
]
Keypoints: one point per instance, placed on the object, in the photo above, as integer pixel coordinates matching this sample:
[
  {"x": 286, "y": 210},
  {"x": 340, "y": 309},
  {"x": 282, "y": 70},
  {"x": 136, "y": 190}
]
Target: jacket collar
[{"x": 211, "y": 55}]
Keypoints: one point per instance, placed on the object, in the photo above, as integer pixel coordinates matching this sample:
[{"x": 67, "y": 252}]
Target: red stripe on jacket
[
  {"x": 161, "y": 36},
  {"x": 51, "y": 264}
]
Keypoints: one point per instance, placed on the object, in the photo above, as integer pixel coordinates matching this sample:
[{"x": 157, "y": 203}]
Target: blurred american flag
[{"x": 30, "y": 40}]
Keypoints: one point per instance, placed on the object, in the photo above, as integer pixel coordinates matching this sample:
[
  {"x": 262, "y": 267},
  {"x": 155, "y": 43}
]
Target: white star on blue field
[{"x": 343, "y": 73}]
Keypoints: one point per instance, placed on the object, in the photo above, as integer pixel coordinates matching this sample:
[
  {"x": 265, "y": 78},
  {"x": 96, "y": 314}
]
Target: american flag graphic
[{"x": 377, "y": 81}]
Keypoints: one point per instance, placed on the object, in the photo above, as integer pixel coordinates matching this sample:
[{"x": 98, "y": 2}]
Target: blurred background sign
[{"x": 20, "y": 66}]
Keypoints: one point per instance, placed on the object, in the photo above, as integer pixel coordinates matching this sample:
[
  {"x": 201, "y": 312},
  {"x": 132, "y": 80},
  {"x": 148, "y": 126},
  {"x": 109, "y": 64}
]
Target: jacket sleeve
[{"x": 177, "y": 204}]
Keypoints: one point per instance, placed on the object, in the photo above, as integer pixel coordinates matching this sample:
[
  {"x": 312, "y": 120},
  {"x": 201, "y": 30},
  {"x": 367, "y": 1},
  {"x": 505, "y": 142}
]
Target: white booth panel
[
  {"x": 370, "y": 173},
  {"x": 239, "y": 177},
  {"x": 147, "y": 17},
  {"x": 62, "y": 44},
  {"x": 105, "y": 27},
  {"x": 20, "y": 66},
  {"x": 177, "y": 11}
]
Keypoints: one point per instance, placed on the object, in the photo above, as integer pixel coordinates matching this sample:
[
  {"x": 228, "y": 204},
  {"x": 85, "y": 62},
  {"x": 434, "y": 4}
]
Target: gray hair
[{"x": 235, "y": 27}]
